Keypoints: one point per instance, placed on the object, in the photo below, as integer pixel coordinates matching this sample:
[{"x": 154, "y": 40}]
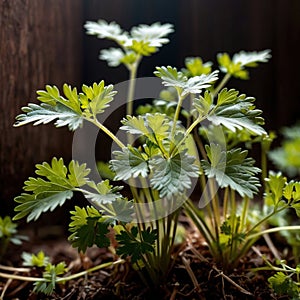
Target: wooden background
[{"x": 43, "y": 42}]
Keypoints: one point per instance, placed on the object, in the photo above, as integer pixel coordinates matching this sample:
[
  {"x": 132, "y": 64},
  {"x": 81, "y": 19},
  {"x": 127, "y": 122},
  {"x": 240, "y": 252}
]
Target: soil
[{"x": 194, "y": 276}]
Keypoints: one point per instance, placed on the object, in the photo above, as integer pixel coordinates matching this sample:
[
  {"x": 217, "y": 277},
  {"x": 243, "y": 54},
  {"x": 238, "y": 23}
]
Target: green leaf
[
  {"x": 45, "y": 113},
  {"x": 239, "y": 114},
  {"x": 155, "y": 127},
  {"x": 132, "y": 245},
  {"x": 171, "y": 77},
  {"x": 96, "y": 98},
  {"x": 173, "y": 175},
  {"x": 67, "y": 111},
  {"x": 50, "y": 275},
  {"x": 275, "y": 185},
  {"x": 88, "y": 228},
  {"x": 129, "y": 163},
  {"x": 227, "y": 97},
  {"x": 236, "y": 66},
  {"x": 194, "y": 85},
  {"x": 284, "y": 285},
  {"x": 105, "y": 171},
  {"x": 7, "y": 227},
  {"x": 203, "y": 104},
  {"x": 105, "y": 193},
  {"x": 135, "y": 125},
  {"x": 232, "y": 168},
  {"x": 52, "y": 191},
  {"x": 32, "y": 260},
  {"x": 143, "y": 48},
  {"x": 196, "y": 67}
]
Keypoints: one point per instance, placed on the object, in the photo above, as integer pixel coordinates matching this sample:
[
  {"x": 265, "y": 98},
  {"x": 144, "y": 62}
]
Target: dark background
[{"x": 43, "y": 42}]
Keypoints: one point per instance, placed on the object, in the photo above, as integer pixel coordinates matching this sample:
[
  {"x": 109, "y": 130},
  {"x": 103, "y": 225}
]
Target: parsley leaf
[
  {"x": 132, "y": 245},
  {"x": 129, "y": 163},
  {"x": 236, "y": 112},
  {"x": 173, "y": 175},
  {"x": 88, "y": 228},
  {"x": 52, "y": 191},
  {"x": 233, "y": 169}
]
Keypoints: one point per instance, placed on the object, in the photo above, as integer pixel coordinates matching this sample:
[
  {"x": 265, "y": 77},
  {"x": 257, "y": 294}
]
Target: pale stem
[
  {"x": 222, "y": 84},
  {"x": 270, "y": 230},
  {"x": 108, "y": 132}
]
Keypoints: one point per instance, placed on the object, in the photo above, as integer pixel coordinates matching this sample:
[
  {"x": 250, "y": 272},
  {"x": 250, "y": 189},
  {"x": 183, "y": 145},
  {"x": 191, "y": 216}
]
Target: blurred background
[{"x": 43, "y": 42}]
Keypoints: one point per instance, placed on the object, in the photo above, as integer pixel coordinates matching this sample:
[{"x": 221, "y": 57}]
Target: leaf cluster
[
  {"x": 88, "y": 228},
  {"x": 142, "y": 40},
  {"x": 283, "y": 282},
  {"x": 280, "y": 192},
  {"x": 237, "y": 65},
  {"x": 52, "y": 188},
  {"x": 135, "y": 244},
  {"x": 68, "y": 110}
]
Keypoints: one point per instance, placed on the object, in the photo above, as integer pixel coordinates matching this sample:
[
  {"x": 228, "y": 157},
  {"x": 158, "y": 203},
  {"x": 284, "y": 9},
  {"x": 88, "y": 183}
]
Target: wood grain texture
[{"x": 40, "y": 43}]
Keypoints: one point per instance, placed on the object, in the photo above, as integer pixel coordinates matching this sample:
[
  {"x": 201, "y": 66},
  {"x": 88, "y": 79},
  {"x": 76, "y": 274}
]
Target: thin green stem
[
  {"x": 177, "y": 111},
  {"x": 221, "y": 84},
  {"x": 225, "y": 203},
  {"x": 275, "y": 229},
  {"x": 275, "y": 211},
  {"x": 132, "y": 76},
  {"x": 188, "y": 131},
  {"x": 245, "y": 211},
  {"x": 107, "y": 131}
]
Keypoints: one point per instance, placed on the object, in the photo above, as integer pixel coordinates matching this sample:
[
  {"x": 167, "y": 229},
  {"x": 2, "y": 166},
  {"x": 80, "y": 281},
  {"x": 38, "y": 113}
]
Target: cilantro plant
[{"x": 195, "y": 112}]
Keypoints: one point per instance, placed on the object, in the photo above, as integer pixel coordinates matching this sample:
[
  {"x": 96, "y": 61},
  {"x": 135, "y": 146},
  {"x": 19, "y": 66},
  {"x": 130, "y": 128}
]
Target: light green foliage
[
  {"x": 286, "y": 157},
  {"x": 70, "y": 110},
  {"x": 50, "y": 275},
  {"x": 9, "y": 234},
  {"x": 88, "y": 228},
  {"x": 195, "y": 67},
  {"x": 8, "y": 229},
  {"x": 237, "y": 112},
  {"x": 236, "y": 65},
  {"x": 286, "y": 281},
  {"x": 185, "y": 85},
  {"x": 52, "y": 189},
  {"x": 32, "y": 260},
  {"x": 233, "y": 169},
  {"x": 104, "y": 192},
  {"x": 134, "y": 245},
  {"x": 172, "y": 176},
  {"x": 142, "y": 40},
  {"x": 280, "y": 192},
  {"x": 129, "y": 163}
]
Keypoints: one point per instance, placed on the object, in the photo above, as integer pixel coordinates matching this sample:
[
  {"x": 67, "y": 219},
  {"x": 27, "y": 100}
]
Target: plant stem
[
  {"x": 258, "y": 234},
  {"x": 177, "y": 111},
  {"x": 130, "y": 94},
  {"x": 221, "y": 84},
  {"x": 62, "y": 279},
  {"x": 107, "y": 131},
  {"x": 275, "y": 211},
  {"x": 245, "y": 211}
]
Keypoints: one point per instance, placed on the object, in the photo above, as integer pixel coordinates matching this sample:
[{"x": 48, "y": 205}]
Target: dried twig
[
  {"x": 191, "y": 274},
  {"x": 242, "y": 290}
]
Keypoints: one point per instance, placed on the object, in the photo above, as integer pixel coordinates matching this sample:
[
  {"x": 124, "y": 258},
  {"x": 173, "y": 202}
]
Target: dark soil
[{"x": 204, "y": 280}]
